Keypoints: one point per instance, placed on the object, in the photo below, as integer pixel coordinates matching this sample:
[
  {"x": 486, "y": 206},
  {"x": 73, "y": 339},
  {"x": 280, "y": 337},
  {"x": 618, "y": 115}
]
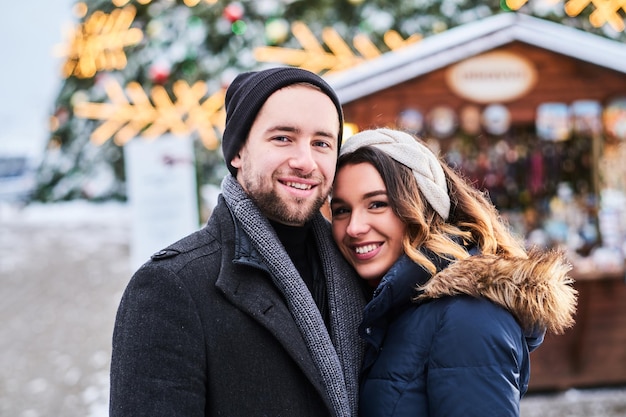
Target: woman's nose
[{"x": 358, "y": 224}]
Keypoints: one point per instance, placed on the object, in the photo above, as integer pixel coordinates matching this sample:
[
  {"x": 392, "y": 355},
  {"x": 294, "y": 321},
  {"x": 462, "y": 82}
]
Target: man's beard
[{"x": 298, "y": 212}]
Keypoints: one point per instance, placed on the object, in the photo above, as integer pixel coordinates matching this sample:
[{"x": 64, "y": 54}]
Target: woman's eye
[
  {"x": 338, "y": 211},
  {"x": 379, "y": 204}
]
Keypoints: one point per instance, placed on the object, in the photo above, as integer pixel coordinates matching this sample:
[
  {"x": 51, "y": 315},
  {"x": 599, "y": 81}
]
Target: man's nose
[{"x": 303, "y": 159}]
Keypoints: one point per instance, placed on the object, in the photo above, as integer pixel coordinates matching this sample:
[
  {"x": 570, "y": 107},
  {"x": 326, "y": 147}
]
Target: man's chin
[
  {"x": 288, "y": 210},
  {"x": 298, "y": 218},
  {"x": 300, "y": 212}
]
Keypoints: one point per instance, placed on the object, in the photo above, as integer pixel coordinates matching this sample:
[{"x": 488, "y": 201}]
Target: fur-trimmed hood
[{"x": 537, "y": 290}]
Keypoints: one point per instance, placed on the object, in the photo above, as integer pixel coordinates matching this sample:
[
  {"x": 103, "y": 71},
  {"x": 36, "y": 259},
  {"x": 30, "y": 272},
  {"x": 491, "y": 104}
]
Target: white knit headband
[{"x": 403, "y": 148}]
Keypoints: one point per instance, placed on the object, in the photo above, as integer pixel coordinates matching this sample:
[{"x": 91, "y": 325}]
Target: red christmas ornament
[
  {"x": 159, "y": 74},
  {"x": 62, "y": 115},
  {"x": 233, "y": 12}
]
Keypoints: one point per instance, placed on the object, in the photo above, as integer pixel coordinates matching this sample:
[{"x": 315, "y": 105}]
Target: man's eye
[
  {"x": 281, "y": 138},
  {"x": 321, "y": 144}
]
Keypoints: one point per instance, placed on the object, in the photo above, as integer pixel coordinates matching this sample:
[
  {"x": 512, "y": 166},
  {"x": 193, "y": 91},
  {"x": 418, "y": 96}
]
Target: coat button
[
  {"x": 368, "y": 330},
  {"x": 164, "y": 254}
]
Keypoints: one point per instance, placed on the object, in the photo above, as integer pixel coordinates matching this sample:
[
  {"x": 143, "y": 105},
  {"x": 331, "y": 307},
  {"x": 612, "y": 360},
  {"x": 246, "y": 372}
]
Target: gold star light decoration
[
  {"x": 606, "y": 11},
  {"x": 98, "y": 43},
  {"x": 153, "y": 116},
  {"x": 315, "y": 58}
]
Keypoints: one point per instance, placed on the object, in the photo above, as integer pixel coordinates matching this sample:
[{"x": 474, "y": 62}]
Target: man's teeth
[
  {"x": 365, "y": 249},
  {"x": 299, "y": 185}
]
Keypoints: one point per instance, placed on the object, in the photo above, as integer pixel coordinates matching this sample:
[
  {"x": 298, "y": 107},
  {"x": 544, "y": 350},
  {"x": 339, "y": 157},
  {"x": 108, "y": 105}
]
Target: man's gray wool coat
[{"x": 221, "y": 324}]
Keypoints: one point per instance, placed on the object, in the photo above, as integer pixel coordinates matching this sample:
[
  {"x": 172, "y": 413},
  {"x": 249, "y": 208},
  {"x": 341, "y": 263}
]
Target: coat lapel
[
  {"x": 258, "y": 298},
  {"x": 299, "y": 306}
]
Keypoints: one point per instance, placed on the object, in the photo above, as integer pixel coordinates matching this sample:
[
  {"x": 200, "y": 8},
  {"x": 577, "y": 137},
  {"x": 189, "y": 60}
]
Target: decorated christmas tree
[{"x": 142, "y": 68}]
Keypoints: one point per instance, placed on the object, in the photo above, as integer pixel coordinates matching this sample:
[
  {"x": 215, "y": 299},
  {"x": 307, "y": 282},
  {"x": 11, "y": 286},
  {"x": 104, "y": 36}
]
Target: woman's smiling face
[{"x": 365, "y": 227}]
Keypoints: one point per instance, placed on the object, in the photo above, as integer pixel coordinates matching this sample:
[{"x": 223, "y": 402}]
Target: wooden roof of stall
[{"x": 462, "y": 42}]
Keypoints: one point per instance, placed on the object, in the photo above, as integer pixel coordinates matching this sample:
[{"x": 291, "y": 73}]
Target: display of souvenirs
[
  {"x": 586, "y": 116},
  {"x": 612, "y": 218},
  {"x": 615, "y": 119},
  {"x": 542, "y": 179},
  {"x": 612, "y": 166},
  {"x": 410, "y": 120},
  {"x": 470, "y": 119},
  {"x": 521, "y": 173},
  {"x": 496, "y": 119},
  {"x": 442, "y": 122},
  {"x": 552, "y": 122}
]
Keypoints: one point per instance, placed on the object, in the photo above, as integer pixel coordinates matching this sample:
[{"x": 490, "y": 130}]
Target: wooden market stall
[{"x": 535, "y": 113}]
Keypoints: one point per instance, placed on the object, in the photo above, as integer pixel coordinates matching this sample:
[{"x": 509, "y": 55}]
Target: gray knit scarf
[{"x": 338, "y": 364}]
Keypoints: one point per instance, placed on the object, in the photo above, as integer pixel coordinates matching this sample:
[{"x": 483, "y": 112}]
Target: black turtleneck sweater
[{"x": 299, "y": 242}]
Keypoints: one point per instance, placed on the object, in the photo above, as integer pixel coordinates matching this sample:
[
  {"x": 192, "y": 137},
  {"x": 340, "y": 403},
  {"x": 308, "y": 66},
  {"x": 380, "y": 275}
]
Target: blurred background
[{"x": 112, "y": 113}]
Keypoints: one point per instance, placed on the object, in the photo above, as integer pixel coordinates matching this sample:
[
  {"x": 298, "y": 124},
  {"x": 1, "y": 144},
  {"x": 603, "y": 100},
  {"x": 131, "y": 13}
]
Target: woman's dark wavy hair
[{"x": 473, "y": 219}]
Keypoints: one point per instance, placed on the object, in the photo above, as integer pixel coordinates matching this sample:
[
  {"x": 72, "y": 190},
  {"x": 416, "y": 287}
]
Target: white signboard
[
  {"x": 162, "y": 193},
  {"x": 492, "y": 77}
]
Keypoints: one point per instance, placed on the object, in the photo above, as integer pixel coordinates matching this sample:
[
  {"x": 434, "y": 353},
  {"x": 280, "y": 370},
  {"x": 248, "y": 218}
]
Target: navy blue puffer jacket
[{"x": 455, "y": 352}]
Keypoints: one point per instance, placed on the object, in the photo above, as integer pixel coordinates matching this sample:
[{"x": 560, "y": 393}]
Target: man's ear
[{"x": 236, "y": 161}]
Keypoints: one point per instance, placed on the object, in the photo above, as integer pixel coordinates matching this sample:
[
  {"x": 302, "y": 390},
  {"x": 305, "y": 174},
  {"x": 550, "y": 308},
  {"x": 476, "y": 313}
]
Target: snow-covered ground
[{"x": 63, "y": 268}]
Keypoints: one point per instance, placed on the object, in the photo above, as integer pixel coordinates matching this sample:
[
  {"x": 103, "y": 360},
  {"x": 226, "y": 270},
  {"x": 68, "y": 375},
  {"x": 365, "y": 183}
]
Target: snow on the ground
[
  {"x": 78, "y": 212},
  {"x": 63, "y": 267}
]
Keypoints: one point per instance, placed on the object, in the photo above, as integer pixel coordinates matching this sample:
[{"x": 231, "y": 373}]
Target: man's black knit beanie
[{"x": 247, "y": 94}]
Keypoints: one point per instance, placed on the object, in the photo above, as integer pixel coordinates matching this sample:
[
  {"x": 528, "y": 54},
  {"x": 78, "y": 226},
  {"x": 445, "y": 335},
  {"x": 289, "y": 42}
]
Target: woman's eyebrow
[{"x": 371, "y": 194}]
